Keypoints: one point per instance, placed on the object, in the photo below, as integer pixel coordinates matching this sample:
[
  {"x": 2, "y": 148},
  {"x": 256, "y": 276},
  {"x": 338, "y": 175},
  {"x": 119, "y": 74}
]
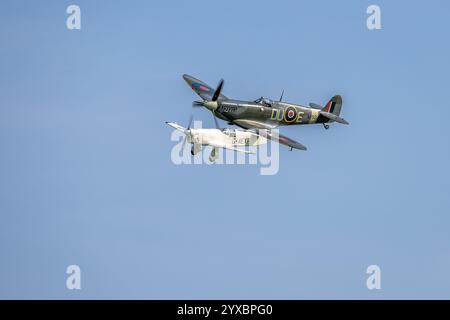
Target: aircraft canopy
[{"x": 264, "y": 101}]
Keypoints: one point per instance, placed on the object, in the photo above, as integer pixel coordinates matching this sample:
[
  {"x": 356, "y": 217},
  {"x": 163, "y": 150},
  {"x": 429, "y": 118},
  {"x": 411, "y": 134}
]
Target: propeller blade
[
  {"x": 218, "y": 90},
  {"x": 184, "y": 144},
  {"x": 215, "y": 121},
  {"x": 197, "y": 104},
  {"x": 190, "y": 122}
]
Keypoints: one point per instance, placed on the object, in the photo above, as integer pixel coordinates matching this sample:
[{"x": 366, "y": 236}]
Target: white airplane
[{"x": 218, "y": 138}]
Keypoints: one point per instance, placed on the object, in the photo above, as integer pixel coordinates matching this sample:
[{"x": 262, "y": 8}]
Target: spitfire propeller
[
  {"x": 216, "y": 94},
  {"x": 211, "y": 104}
]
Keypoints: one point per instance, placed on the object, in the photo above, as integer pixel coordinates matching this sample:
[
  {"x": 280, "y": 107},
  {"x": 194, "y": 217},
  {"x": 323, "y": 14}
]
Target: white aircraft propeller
[{"x": 187, "y": 131}]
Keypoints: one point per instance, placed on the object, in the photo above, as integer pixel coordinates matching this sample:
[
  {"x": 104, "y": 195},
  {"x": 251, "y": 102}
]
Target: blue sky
[{"x": 86, "y": 176}]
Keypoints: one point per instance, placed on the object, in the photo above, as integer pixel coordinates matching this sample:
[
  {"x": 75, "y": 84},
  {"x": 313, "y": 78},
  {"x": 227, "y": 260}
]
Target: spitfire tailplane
[
  {"x": 332, "y": 110},
  {"x": 333, "y": 117}
]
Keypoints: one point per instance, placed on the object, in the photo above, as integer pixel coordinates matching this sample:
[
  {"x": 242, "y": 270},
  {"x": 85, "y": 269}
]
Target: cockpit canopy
[{"x": 264, "y": 101}]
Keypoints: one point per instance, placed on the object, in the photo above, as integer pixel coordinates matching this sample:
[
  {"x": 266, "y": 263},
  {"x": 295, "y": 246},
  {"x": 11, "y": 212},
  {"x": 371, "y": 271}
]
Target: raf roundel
[
  {"x": 290, "y": 114},
  {"x": 200, "y": 87}
]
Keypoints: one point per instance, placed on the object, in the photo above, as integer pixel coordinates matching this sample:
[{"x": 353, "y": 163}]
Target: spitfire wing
[
  {"x": 282, "y": 140},
  {"x": 264, "y": 129},
  {"x": 254, "y": 124},
  {"x": 202, "y": 89},
  {"x": 286, "y": 141}
]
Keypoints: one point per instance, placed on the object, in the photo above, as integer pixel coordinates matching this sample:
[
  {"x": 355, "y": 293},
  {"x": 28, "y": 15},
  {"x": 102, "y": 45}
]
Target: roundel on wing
[
  {"x": 200, "y": 87},
  {"x": 290, "y": 114}
]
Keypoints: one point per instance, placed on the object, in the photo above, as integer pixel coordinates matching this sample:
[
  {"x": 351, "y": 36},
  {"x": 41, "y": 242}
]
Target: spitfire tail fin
[{"x": 333, "y": 106}]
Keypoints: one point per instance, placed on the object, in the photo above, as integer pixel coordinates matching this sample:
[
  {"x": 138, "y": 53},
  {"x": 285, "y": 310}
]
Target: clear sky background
[{"x": 86, "y": 176}]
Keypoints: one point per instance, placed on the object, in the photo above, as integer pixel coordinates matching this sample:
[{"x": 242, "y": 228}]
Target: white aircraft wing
[
  {"x": 239, "y": 150},
  {"x": 232, "y": 148},
  {"x": 176, "y": 126}
]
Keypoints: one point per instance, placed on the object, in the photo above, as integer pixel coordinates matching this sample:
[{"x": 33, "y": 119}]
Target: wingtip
[
  {"x": 298, "y": 147},
  {"x": 187, "y": 77}
]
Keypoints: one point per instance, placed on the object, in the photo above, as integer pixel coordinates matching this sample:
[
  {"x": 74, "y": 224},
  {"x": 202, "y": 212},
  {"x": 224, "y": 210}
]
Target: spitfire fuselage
[{"x": 276, "y": 113}]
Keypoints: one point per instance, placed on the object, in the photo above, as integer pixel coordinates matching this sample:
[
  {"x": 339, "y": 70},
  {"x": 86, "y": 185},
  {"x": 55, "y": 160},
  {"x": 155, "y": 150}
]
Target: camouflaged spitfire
[{"x": 263, "y": 115}]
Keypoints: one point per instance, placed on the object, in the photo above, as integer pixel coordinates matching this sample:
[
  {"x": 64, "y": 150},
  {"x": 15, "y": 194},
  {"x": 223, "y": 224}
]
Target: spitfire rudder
[{"x": 334, "y": 105}]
